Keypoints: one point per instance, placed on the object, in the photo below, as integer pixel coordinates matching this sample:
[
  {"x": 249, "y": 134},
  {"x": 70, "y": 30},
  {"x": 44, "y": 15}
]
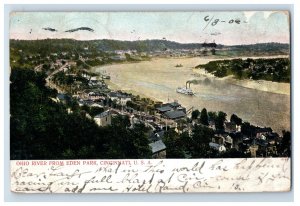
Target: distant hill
[
  {"x": 259, "y": 49},
  {"x": 58, "y": 45}
]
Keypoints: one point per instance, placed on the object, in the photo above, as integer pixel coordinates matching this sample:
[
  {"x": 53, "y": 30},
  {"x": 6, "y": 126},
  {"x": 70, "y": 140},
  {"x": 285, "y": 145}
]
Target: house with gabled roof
[
  {"x": 158, "y": 149},
  {"x": 103, "y": 119}
]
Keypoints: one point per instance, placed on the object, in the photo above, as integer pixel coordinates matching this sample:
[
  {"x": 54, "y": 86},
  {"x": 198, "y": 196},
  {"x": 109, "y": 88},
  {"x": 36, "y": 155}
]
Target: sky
[{"x": 229, "y": 28}]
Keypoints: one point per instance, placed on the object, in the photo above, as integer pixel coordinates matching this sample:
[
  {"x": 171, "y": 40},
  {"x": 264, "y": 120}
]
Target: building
[
  {"x": 272, "y": 138},
  {"x": 95, "y": 96},
  {"x": 158, "y": 149},
  {"x": 96, "y": 104},
  {"x": 237, "y": 139},
  {"x": 172, "y": 110},
  {"x": 253, "y": 149},
  {"x": 218, "y": 147},
  {"x": 262, "y": 131},
  {"x": 163, "y": 109},
  {"x": 124, "y": 99},
  {"x": 156, "y": 135},
  {"x": 218, "y": 139},
  {"x": 174, "y": 104},
  {"x": 103, "y": 119},
  {"x": 211, "y": 124},
  {"x": 119, "y": 57},
  {"x": 87, "y": 102},
  {"x": 82, "y": 95},
  {"x": 231, "y": 127},
  {"x": 228, "y": 142},
  {"x": 120, "y": 98},
  {"x": 174, "y": 115}
]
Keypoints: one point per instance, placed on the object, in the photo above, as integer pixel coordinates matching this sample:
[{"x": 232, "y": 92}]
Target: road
[{"x": 48, "y": 79}]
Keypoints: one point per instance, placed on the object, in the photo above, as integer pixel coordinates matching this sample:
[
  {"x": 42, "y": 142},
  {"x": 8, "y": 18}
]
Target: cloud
[
  {"x": 81, "y": 28},
  {"x": 50, "y": 29}
]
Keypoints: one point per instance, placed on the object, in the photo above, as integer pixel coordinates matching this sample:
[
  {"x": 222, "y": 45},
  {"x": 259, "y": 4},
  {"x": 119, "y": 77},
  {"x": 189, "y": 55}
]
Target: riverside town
[{"x": 146, "y": 98}]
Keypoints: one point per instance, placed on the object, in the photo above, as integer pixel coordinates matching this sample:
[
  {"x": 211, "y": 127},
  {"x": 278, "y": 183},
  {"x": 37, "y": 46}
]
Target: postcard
[{"x": 150, "y": 102}]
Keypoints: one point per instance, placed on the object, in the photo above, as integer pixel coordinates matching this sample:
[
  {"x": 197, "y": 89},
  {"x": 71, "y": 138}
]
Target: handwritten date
[{"x": 212, "y": 21}]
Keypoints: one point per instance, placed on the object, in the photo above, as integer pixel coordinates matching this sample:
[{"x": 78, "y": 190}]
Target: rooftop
[
  {"x": 119, "y": 95},
  {"x": 103, "y": 114},
  {"x": 175, "y": 114},
  {"x": 214, "y": 145},
  {"x": 263, "y": 130},
  {"x": 230, "y": 125},
  {"x": 164, "y": 108},
  {"x": 174, "y": 104},
  {"x": 217, "y": 146},
  {"x": 157, "y": 146},
  {"x": 156, "y": 136}
]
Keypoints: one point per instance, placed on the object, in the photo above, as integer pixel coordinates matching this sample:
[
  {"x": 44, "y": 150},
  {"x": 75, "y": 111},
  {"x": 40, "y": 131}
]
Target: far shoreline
[{"x": 260, "y": 85}]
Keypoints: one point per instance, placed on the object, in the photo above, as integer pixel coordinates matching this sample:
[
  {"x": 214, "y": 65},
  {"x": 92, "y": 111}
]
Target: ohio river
[{"x": 261, "y": 103}]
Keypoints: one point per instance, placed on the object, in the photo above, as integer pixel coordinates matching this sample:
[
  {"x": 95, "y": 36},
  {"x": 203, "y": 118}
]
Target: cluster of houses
[
  {"x": 120, "y": 55},
  {"x": 262, "y": 142},
  {"x": 169, "y": 114},
  {"x": 172, "y": 111},
  {"x": 119, "y": 97},
  {"x": 178, "y": 52}
]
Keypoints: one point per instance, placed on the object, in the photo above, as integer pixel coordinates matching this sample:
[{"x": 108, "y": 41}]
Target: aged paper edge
[{"x": 151, "y": 175}]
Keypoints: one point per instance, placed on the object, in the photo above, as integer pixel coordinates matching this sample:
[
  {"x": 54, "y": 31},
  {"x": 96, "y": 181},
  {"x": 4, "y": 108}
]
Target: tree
[
  {"x": 285, "y": 144},
  {"x": 42, "y": 129},
  {"x": 140, "y": 141},
  {"x": 200, "y": 140},
  {"x": 85, "y": 108},
  {"x": 195, "y": 114},
  {"x": 128, "y": 57},
  {"x": 212, "y": 116},
  {"x": 121, "y": 121},
  {"x": 247, "y": 129},
  {"x": 186, "y": 140},
  {"x": 232, "y": 153},
  {"x": 213, "y": 52},
  {"x": 235, "y": 119},
  {"x": 204, "y": 117},
  {"x": 173, "y": 145},
  {"x": 95, "y": 111},
  {"x": 220, "y": 120}
]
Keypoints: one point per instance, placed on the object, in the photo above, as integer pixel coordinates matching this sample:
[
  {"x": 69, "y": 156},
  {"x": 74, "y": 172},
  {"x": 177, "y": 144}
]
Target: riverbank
[
  {"x": 261, "y": 85},
  {"x": 115, "y": 87}
]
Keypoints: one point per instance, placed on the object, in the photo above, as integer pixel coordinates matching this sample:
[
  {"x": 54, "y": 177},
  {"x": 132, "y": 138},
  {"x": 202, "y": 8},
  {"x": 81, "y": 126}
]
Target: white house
[
  {"x": 218, "y": 147},
  {"x": 96, "y": 105},
  {"x": 229, "y": 140},
  {"x": 103, "y": 119},
  {"x": 124, "y": 99},
  {"x": 121, "y": 99},
  {"x": 94, "y": 78}
]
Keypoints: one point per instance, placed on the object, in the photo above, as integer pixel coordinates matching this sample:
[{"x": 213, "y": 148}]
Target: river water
[{"x": 261, "y": 103}]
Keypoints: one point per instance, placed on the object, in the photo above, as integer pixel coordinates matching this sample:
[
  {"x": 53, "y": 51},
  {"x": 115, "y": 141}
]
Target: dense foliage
[
  {"x": 274, "y": 69},
  {"x": 43, "y": 129},
  {"x": 46, "y": 46}
]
